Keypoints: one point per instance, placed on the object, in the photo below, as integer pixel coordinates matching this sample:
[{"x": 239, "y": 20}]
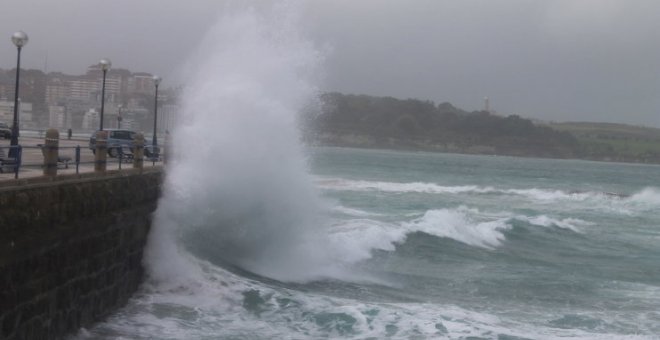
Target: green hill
[
  {"x": 385, "y": 122},
  {"x": 615, "y": 142}
]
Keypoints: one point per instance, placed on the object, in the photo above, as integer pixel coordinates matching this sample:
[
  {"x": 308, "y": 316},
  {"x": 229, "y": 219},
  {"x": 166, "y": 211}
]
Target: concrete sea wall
[{"x": 71, "y": 249}]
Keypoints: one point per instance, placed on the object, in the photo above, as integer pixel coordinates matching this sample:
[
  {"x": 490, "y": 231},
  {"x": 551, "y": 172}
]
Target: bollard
[
  {"x": 138, "y": 151},
  {"x": 100, "y": 155},
  {"x": 50, "y": 152}
]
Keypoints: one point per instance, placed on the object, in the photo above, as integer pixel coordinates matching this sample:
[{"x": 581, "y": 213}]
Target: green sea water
[
  {"x": 564, "y": 245},
  {"x": 435, "y": 246}
]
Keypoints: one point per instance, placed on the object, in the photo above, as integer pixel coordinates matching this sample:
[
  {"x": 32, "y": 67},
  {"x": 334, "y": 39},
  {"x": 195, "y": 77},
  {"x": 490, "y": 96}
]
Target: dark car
[
  {"x": 5, "y": 131},
  {"x": 118, "y": 140}
]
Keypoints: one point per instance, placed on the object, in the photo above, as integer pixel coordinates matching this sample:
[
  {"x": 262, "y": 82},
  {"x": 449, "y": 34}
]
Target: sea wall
[{"x": 71, "y": 249}]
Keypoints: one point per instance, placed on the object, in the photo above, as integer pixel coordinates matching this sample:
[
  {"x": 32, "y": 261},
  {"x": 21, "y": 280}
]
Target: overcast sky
[{"x": 587, "y": 60}]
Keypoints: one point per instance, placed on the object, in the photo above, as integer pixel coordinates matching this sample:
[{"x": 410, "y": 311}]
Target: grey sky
[{"x": 595, "y": 60}]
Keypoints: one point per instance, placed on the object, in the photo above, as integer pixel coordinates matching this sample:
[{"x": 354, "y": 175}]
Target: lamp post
[
  {"x": 119, "y": 107},
  {"x": 19, "y": 39},
  {"x": 105, "y": 66},
  {"x": 157, "y": 80}
]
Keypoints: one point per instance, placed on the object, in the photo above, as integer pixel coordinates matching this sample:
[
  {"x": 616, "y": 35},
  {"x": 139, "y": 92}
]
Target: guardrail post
[
  {"x": 77, "y": 158},
  {"x": 138, "y": 153},
  {"x": 166, "y": 147},
  {"x": 51, "y": 151},
  {"x": 19, "y": 160},
  {"x": 101, "y": 156}
]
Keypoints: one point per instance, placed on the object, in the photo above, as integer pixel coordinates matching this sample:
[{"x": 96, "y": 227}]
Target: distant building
[
  {"x": 24, "y": 113},
  {"x": 6, "y": 86},
  {"x": 91, "y": 120},
  {"x": 167, "y": 119},
  {"x": 57, "y": 117},
  {"x": 6, "y": 111},
  {"x": 82, "y": 88},
  {"x": 141, "y": 83},
  {"x": 32, "y": 90},
  {"x": 58, "y": 90},
  {"x": 74, "y": 101}
]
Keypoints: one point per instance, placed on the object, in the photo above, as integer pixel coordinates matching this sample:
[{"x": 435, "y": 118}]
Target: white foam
[
  {"x": 648, "y": 196},
  {"x": 354, "y": 240},
  {"x": 217, "y": 304},
  {"x": 238, "y": 174},
  {"x": 551, "y": 195},
  {"x": 433, "y": 188},
  {"x": 463, "y": 225},
  {"x": 420, "y": 187},
  {"x": 545, "y": 221},
  {"x": 354, "y": 212}
]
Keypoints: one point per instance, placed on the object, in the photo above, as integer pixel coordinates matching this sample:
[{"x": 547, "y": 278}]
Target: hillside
[
  {"x": 617, "y": 142},
  {"x": 386, "y": 122},
  {"x": 411, "y": 124}
]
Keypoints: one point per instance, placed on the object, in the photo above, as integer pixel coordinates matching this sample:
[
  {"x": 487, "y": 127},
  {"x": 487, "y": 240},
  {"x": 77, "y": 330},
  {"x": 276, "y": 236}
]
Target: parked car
[
  {"x": 117, "y": 139},
  {"x": 5, "y": 131}
]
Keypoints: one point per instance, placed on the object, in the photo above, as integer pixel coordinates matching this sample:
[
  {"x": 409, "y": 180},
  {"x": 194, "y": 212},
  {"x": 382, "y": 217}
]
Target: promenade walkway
[{"x": 32, "y": 157}]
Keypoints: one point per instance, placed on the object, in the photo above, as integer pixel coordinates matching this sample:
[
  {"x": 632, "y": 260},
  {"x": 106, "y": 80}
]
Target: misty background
[{"x": 576, "y": 60}]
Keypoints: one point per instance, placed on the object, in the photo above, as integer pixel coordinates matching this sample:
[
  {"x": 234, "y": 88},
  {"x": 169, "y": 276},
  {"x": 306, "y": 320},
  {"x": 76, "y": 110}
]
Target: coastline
[{"x": 473, "y": 151}]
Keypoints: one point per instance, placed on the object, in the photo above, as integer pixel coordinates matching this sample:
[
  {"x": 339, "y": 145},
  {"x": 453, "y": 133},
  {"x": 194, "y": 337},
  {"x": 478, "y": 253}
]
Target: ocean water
[
  {"x": 259, "y": 237},
  {"x": 436, "y": 246}
]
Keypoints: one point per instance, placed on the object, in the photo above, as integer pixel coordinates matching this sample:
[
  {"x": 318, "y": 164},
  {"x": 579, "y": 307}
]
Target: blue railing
[
  {"x": 11, "y": 160},
  {"x": 23, "y": 159}
]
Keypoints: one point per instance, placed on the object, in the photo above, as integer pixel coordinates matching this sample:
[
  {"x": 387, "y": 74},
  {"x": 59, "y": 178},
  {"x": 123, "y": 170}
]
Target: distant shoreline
[{"x": 430, "y": 150}]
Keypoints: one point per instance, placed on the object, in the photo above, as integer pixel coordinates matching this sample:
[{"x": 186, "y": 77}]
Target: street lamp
[
  {"x": 119, "y": 107},
  {"x": 105, "y": 66},
  {"x": 157, "y": 80},
  {"x": 19, "y": 39}
]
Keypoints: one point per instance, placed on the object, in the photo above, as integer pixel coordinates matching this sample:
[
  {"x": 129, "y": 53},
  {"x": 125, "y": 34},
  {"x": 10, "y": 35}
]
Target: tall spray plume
[{"x": 237, "y": 191}]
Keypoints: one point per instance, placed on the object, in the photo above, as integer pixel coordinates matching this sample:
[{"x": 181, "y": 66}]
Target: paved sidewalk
[{"x": 32, "y": 161}]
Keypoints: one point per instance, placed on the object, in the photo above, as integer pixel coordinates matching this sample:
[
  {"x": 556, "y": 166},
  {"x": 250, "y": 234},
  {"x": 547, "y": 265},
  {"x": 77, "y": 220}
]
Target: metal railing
[
  {"x": 83, "y": 158},
  {"x": 11, "y": 163}
]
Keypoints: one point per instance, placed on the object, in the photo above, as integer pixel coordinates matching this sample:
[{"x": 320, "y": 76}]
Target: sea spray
[{"x": 238, "y": 185}]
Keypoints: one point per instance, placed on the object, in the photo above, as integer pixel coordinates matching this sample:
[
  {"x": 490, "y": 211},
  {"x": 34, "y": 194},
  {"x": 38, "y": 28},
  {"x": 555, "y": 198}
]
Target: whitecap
[
  {"x": 354, "y": 212},
  {"x": 546, "y": 221},
  {"x": 462, "y": 225},
  {"x": 647, "y": 196},
  {"x": 434, "y": 188}
]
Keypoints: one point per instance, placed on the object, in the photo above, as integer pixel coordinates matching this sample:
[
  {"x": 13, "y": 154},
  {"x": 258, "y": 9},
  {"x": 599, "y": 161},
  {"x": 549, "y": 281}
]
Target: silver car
[{"x": 118, "y": 141}]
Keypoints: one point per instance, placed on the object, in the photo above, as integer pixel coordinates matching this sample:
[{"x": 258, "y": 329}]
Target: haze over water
[{"x": 258, "y": 237}]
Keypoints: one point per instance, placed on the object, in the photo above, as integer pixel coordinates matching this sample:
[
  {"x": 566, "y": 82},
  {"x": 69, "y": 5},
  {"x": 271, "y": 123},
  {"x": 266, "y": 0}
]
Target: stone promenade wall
[{"x": 71, "y": 249}]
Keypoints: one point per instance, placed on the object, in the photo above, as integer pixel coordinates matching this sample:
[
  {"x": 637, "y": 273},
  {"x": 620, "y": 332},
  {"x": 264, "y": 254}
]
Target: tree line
[{"x": 386, "y": 122}]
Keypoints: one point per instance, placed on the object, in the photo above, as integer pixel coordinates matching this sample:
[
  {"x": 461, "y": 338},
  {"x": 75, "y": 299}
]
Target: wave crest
[
  {"x": 355, "y": 239},
  {"x": 648, "y": 195}
]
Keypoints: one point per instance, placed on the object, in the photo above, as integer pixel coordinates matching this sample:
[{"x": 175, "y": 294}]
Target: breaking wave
[
  {"x": 645, "y": 196},
  {"x": 650, "y": 196},
  {"x": 356, "y": 238}
]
